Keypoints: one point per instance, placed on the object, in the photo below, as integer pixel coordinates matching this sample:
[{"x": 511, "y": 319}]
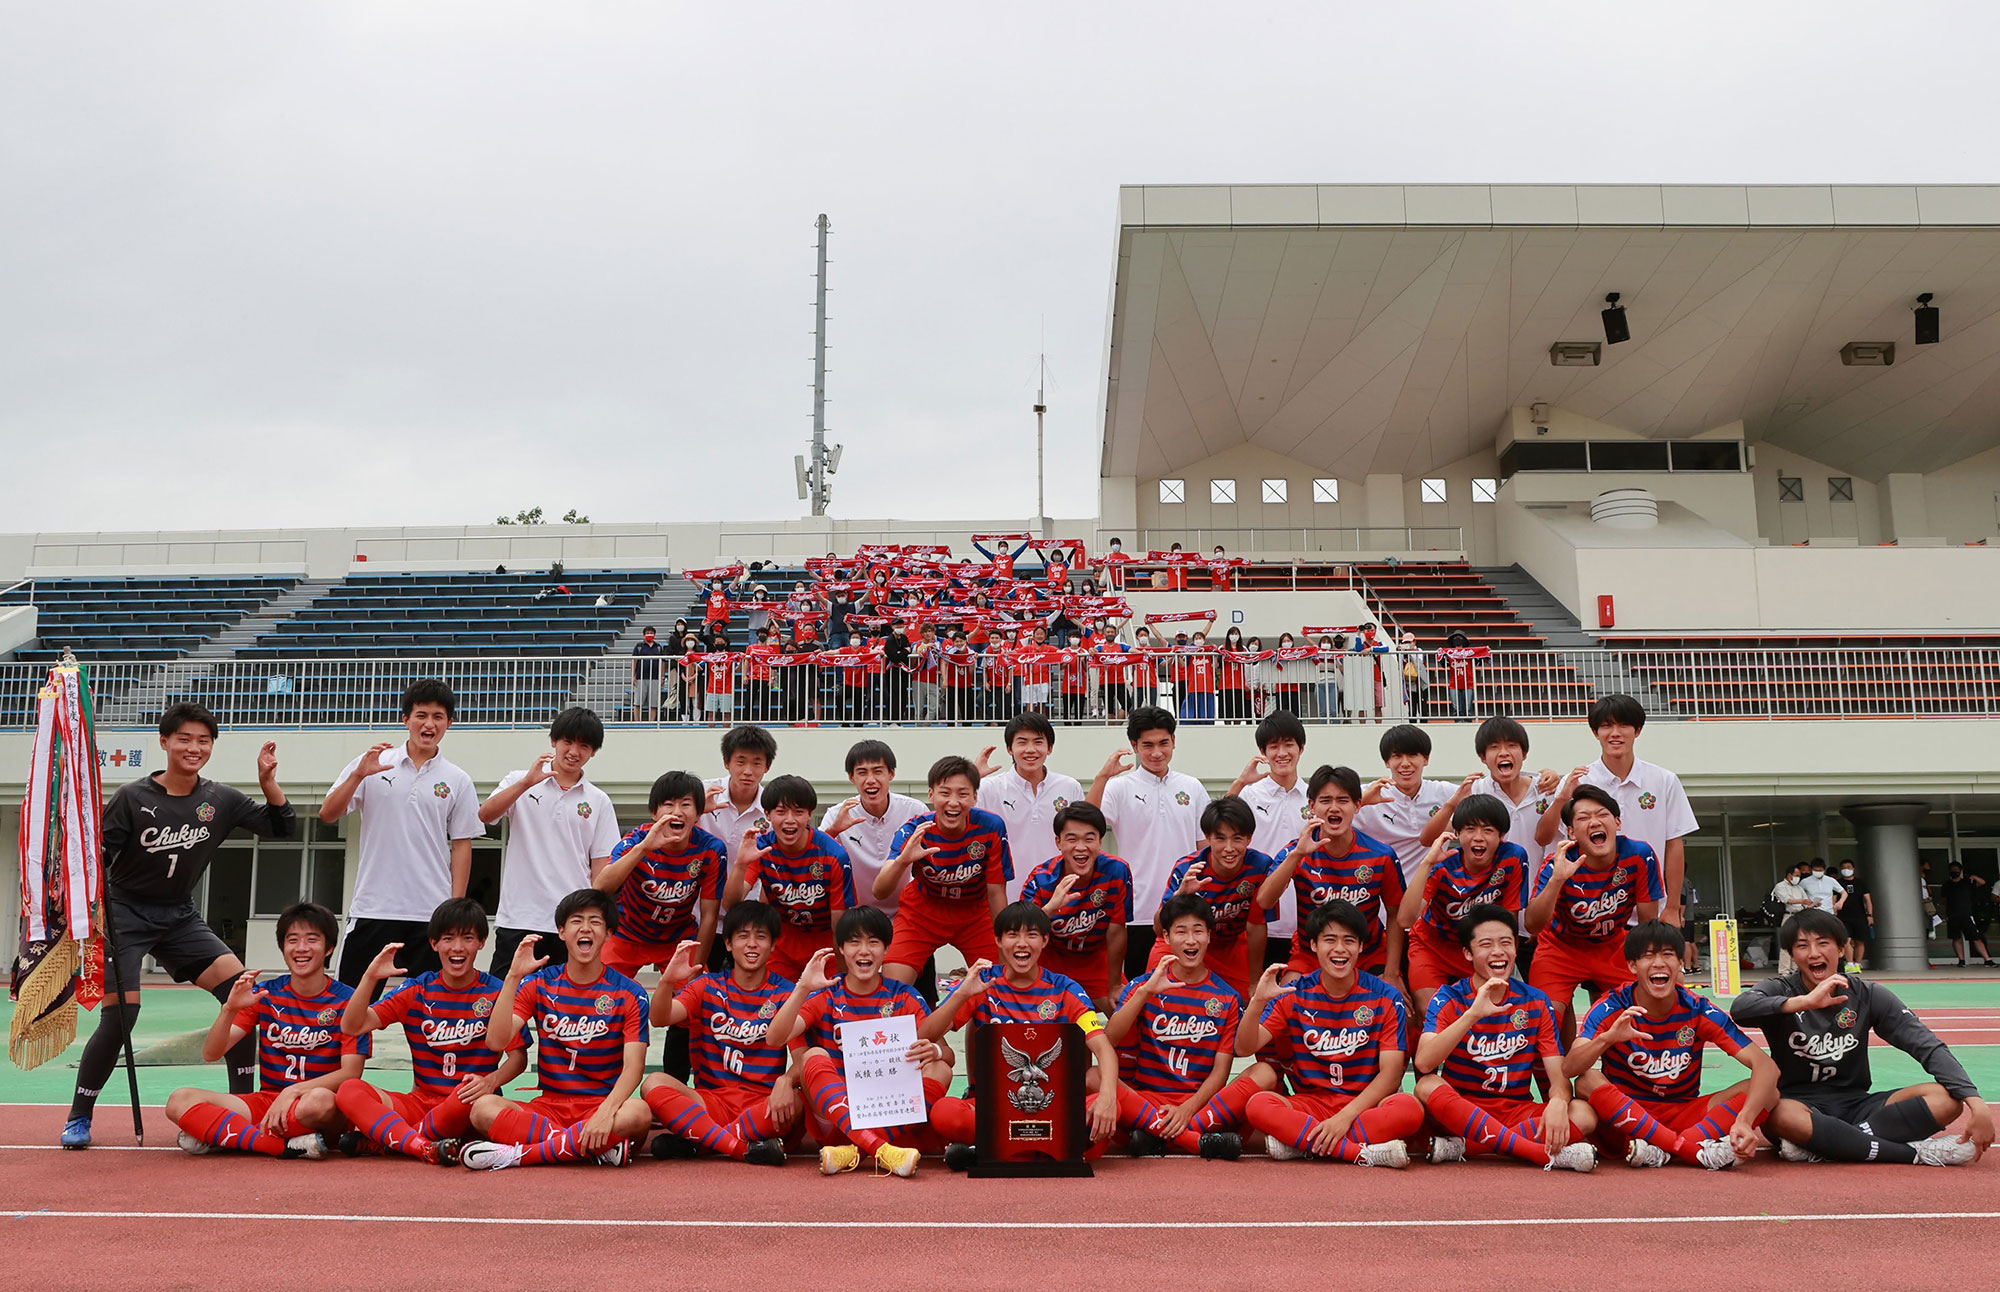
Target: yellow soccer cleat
[
  {"x": 841, "y": 1157},
  {"x": 896, "y": 1160}
]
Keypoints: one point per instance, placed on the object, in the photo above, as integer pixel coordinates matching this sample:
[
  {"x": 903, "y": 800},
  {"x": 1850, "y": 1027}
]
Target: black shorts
[
  {"x": 1906, "y": 1120},
  {"x": 505, "y": 941},
  {"x": 175, "y": 935},
  {"x": 1965, "y": 926},
  {"x": 366, "y": 936}
]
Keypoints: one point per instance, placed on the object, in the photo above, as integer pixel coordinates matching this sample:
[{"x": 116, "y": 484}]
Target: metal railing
[
  {"x": 975, "y": 689},
  {"x": 1349, "y": 539}
]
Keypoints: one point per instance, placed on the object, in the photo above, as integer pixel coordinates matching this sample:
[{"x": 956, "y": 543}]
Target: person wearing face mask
[
  {"x": 1858, "y": 914},
  {"x": 1792, "y": 897}
]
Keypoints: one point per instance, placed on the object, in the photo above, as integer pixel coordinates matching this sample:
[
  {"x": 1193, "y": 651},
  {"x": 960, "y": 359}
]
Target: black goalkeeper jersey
[
  {"x": 156, "y": 844},
  {"x": 1825, "y": 1051}
]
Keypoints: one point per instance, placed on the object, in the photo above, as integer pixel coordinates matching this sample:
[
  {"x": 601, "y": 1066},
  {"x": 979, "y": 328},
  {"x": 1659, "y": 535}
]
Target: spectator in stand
[
  {"x": 760, "y": 617},
  {"x": 692, "y": 693},
  {"x": 646, "y": 667},
  {"x": 760, "y": 683},
  {"x": 1113, "y": 563},
  {"x": 1965, "y": 915},
  {"x": 1416, "y": 675},
  {"x": 715, "y": 606},
  {"x": 1197, "y": 680},
  {"x": 995, "y": 674},
  {"x": 839, "y": 605},
  {"x": 1332, "y": 669},
  {"x": 1287, "y": 677},
  {"x": 1235, "y": 682},
  {"x": 1458, "y": 680},
  {"x": 957, "y": 677},
  {"x": 1791, "y": 896},
  {"x": 1221, "y": 572},
  {"x": 718, "y": 669},
  {"x": 896, "y": 673},
  {"x": 926, "y": 657}
]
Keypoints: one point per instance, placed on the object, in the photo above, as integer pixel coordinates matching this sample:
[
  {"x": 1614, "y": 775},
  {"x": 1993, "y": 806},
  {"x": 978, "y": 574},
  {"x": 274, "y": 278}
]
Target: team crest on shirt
[
  {"x": 1846, "y": 1017},
  {"x": 1686, "y": 1035},
  {"x": 769, "y": 1009},
  {"x": 1047, "y": 1009},
  {"x": 1212, "y": 1007},
  {"x": 1520, "y": 1018},
  {"x": 976, "y": 851},
  {"x": 1098, "y": 897},
  {"x": 1243, "y": 886},
  {"x": 1365, "y": 1015},
  {"x": 483, "y": 1006},
  {"x": 1622, "y": 875},
  {"x": 818, "y": 869},
  {"x": 1541, "y": 805},
  {"x": 1305, "y": 811},
  {"x": 442, "y": 790},
  {"x": 1182, "y": 798},
  {"x": 888, "y": 1011},
  {"x": 329, "y": 1015},
  {"x": 1061, "y": 802},
  {"x": 206, "y": 812},
  {"x": 760, "y": 825},
  {"x": 1434, "y": 810},
  {"x": 1648, "y": 800},
  {"x": 606, "y": 1003},
  {"x": 583, "y": 810},
  {"x": 1363, "y": 874}
]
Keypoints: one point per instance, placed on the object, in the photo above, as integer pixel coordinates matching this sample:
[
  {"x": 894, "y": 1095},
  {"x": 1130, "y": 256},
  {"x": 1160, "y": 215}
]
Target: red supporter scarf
[{"x": 1184, "y": 617}]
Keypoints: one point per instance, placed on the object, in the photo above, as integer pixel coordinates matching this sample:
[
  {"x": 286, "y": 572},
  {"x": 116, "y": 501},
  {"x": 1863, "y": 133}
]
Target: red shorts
[
  {"x": 923, "y": 924},
  {"x": 795, "y": 947},
  {"x": 1318, "y": 1104},
  {"x": 1561, "y": 967},
  {"x": 1511, "y": 1113},
  {"x": 564, "y": 1110},
  {"x": 414, "y": 1105},
  {"x": 627, "y": 957},
  {"x": 1228, "y": 959},
  {"x": 1434, "y": 964},
  {"x": 727, "y": 1104},
  {"x": 1090, "y": 968},
  {"x": 260, "y": 1102}
]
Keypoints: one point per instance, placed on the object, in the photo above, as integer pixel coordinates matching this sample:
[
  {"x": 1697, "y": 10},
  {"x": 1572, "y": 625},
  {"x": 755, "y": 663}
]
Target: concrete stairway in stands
[
  {"x": 607, "y": 686},
  {"x": 274, "y": 612},
  {"x": 1550, "y": 619},
  {"x": 142, "y": 703}
]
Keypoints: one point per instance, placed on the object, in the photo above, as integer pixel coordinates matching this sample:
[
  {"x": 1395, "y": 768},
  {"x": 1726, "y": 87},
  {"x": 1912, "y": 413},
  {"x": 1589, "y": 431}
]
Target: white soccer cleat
[
  {"x": 1447, "y": 1148},
  {"x": 310, "y": 1147},
  {"x": 1945, "y": 1150},
  {"x": 1716, "y": 1154},
  {"x": 1796, "y": 1153},
  {"x": 194, "y": 1147},
  {"x": 485, "y": 1155},
  {"x": 617, "y": 1155},
  {"x": 1646, "y": 1153},
  {"x": 1392, "y": 1153},
  {"x": 1579, "y": 1157},
  {"x": 1280, "y": 1151}
]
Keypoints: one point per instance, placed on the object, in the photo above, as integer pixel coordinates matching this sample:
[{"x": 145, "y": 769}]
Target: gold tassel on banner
[{"x": 44, "y": 1023}]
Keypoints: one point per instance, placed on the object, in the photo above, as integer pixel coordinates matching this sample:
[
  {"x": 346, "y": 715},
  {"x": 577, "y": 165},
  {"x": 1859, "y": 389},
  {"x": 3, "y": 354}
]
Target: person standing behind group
[
  {"x": 647, "y": 665},
  {"x": 1857, "y": 912},
  {"x": 1155, "y": 812},
  {"x": 1027, "y": 795},
  {"x": 1791, "y": 897}
]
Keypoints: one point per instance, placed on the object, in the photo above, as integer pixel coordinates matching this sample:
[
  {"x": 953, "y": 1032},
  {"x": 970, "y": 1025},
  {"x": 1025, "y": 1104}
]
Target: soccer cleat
[
  {"x": 194, "y": 1147},
  {"x": 1796, "y": 1153},
  {"x": 1447, "y": 1148},
  {"x": 672, "y": 1148},
  {"x": 1945, "y": 1150},
  {"x": 838, "y": 1158},
  {"x": 1221, "y": 1146},
  {"x": 1644, "y": 1153},
  {"x": 354, "y": 1144},
  {"x": 1280, "y": 1151},
  {"x": 310, "y": 1147},
  {"x": 896, "y": 1160},
  {"x": 1850, "y": 967},
  {"x": 1392, "y": 1153},
  {"x": 960, "y": 1157},
  {"x": 766, "y": 1152},
  {"x": 1146, "y": 1144},
  {"x": 76, "y": 1133},
  {"x": 1578, "y": 1157},
  {"x": 618, "y": 1154},
  {"x": 485, "y": 1155},
  {"x": 443, "y": 1152},
  {"x": 1716, "y": 1154}
]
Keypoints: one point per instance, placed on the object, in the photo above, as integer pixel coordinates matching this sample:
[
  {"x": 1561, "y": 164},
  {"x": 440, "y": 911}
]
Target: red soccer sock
[
  {"x": 565, "y": 1145},
  {"x": 213, "y": 1124},
  {"x": 1136, "y": 1112},
  {"x": 1721, "y": 1116},
  {"x": 1226, "y": 1110},
  {"x": 955, "y": 1119},
  {"x": 683, "y": 1114},
  {"x": 1462, "y": 1117},
  {"x": 364, "y": 1109},
  {"x": 1621, "y": 1114},
  {"x": 449, "y": 1119},
  {"x": 828, "y": 1094},
  {"x": 1274, "y": 1115},
  {"x": 514, "y": 1124}
]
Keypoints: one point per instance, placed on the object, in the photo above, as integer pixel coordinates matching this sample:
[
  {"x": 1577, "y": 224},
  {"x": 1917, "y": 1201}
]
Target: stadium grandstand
[{"x": 1372, "y": 454}]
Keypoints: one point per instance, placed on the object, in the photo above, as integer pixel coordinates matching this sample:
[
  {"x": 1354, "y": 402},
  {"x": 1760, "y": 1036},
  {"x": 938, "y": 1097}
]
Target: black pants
[
  {"x": 367, "y": 937},
  {"x": 1138, "y": 947},
  {"x": 506, "y": 940}
]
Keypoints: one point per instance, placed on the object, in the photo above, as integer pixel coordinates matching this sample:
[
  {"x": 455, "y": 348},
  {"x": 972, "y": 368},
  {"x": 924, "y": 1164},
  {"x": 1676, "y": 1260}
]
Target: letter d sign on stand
[{"x": 1030, "y": 1100}]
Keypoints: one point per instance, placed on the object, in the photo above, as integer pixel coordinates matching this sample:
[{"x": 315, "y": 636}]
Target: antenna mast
[
  {"x": 1041, "y": 407},
  {"x": 813, "y": 472}
]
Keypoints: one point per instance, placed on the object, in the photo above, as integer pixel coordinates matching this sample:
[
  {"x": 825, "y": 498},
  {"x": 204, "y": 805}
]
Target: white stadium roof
[{"x": 1364, "y": 329}]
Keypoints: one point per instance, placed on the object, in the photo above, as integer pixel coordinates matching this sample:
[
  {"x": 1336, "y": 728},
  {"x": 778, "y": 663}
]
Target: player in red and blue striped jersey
[
  {"x": 1229, "y": 875},
  {"x": 302, "y": 1055},
  {"x": 1585, "y": 895},
  {"x": 1344, "y": 1030},
  {"x": 589, "y": 1023},
  {"x": 745, "y": 1102},
  {"x": 1019, "y": 990},
  {"x": 444, "y": 1014},
  {"x": 1332, "y": 860},
  {"x": 1649, "y": 1036},
  {"x": 1088, "y": 896},
  {"x": 667, "y": 878},
  {"x": 1483, "y": 1037},
  {"x": 810, "y": 1019},
  {"x": 958, "y": 866},
  {"x": 1471, "y": 864},
  {"x": 805, "y": 874},
  {"x": 1176, "y": 1036}
]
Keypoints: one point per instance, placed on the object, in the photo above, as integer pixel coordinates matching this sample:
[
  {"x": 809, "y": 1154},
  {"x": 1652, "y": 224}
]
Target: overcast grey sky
[{"x": 413, "y": 262}]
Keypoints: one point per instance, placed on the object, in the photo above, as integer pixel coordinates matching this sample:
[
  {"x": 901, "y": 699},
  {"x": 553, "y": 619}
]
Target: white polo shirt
[
  {"x": 1158, "y": 821},
  {"x": 552, "y": 836},
  {"x": 1030, "y": 814},
  {"x": 1652, "y": 806},
  {"x": 410, "y": 816},
  {"x": 1280, "y": 815},
  {"x": 1400, "y": 817},
  {"x": 728, "y": 824},
  {"x": 1525, "y": 815},
  {"x": 867, "y": 844}
]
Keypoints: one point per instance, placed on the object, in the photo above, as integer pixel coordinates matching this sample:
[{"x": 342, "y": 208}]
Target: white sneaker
[
  {"x": 195, "y": 1147},
  {"x": 484, "y": 1155},
  {"x": 1392, "y": 1153},
  {"x": 1716, "y": 1154},
  {"x": 1281, "y": 1151},
  {"x": 1646, "y": 1153},
  {"x": 310, "y": 1147},
  {"x": 617, "y": 1155},
  {"x": 1795, "y": 1153},
  {"x": 1578, "y": 1157},
  {"x": 1447, "y": 1148},
  {"x": 1944, "y": 1150}
]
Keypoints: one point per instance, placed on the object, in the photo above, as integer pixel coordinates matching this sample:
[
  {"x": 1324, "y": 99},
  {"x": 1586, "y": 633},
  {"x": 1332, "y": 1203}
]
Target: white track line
[{"x": 600, "y": 1223}]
